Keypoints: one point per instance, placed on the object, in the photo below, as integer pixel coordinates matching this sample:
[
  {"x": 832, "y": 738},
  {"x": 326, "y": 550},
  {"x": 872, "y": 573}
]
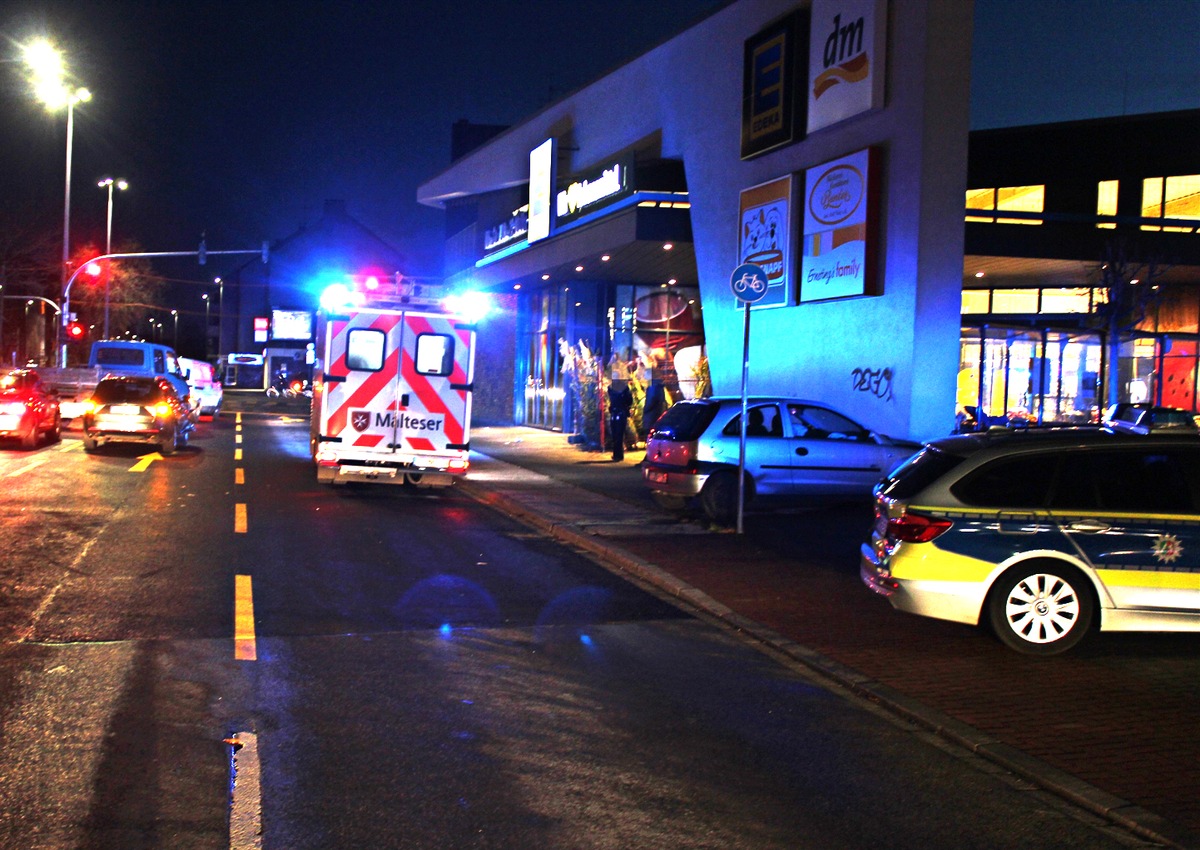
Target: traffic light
[{"x": 76, "y": 331}]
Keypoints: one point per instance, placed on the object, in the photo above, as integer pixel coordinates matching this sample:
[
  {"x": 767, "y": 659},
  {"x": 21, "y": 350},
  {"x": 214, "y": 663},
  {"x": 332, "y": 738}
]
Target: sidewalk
[{"x": 806, "y": 603}]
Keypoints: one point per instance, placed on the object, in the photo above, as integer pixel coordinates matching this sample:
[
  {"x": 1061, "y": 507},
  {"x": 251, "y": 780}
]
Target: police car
[{"x": 1044, "y": 535}]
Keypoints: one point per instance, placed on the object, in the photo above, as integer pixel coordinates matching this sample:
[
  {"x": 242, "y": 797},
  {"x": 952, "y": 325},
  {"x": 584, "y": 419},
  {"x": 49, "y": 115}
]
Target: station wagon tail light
[
  {"x": 90, "y": 406},
  {"x": 914, "y": 528}
]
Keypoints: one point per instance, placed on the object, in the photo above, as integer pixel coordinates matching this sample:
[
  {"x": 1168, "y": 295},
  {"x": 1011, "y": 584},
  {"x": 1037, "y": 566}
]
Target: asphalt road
[{"x": 421, "y": 672}]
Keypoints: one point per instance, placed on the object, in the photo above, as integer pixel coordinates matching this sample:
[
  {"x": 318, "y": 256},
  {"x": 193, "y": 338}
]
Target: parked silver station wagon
[{"x": 793, "y": 448}]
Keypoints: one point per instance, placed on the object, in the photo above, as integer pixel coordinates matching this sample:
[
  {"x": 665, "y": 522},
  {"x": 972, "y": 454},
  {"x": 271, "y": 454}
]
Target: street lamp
[
  {"x": 175, "y": 316},
  {"x": 206, "y": 325},
  {"x": 109, "y": 183},
  {"x": 47, "y": 73}
]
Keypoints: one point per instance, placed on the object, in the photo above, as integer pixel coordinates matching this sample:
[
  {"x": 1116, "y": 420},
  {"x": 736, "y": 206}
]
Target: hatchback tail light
[
  {"x": 13, "y": 408},
  {"x": 162, "y": 410},
  {"x": 914, "y": 528}
]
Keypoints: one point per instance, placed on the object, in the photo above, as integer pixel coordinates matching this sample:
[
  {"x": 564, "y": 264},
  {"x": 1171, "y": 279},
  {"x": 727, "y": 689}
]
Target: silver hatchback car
[{"x": 793, "y": 448}]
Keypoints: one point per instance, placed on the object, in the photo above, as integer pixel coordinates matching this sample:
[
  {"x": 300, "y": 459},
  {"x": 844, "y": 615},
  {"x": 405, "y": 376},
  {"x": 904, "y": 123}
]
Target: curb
[{"x": 1121, "y": 812}]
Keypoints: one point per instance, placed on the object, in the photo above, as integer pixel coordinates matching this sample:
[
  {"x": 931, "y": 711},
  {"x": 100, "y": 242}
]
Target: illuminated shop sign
[
  {"x": 541, "y": 191},
  {"x": 846, "y": 59},
  {"x": 291, "y": 324},
  {"x": 510, "y": 230},
  {"x": 841, "y": 213},
  {"x": 594, "y": 189},
  {"x": 765, "y": 238},
  {"x": 261, "y": 324},
  {"x": 773, "y": 85}
]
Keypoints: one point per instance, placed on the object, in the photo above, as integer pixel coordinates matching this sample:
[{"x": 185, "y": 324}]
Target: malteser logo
[
  {"x": 360, "y": 420},
  {"x": 844, "y": 59}
]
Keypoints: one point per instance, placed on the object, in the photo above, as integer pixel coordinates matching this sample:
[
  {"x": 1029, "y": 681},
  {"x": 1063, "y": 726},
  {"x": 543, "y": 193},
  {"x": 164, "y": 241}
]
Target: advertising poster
[
  {"x": 840, "y": 215},
  {"x": 765, "y": 238}
]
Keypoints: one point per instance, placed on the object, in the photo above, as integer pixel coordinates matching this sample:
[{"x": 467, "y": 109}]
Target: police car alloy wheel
[{"x": 1041, "y": 609}]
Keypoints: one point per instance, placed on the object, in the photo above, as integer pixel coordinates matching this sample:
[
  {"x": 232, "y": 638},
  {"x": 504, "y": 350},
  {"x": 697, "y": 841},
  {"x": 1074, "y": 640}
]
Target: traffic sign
[{"x": 749, "y": 283}]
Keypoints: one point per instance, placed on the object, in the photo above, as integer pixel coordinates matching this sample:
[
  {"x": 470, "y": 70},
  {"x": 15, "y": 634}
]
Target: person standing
[{"x": 620, "y": 400}]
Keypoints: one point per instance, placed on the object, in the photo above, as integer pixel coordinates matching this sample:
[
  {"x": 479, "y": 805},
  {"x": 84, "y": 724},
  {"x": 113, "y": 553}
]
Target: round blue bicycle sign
[{"x": 749, "y": 283}]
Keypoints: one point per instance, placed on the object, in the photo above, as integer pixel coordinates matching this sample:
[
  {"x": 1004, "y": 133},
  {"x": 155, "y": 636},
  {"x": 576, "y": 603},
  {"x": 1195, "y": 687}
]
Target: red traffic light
[{"x": 76, "y": 331}]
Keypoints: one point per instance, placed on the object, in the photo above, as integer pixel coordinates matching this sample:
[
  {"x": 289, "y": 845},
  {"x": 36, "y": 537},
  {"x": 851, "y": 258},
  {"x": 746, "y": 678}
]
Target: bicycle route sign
[{"x": 749, "y": 283}]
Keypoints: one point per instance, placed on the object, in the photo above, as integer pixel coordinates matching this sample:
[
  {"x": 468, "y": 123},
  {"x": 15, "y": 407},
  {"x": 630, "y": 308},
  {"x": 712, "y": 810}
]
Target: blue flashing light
[
  {"x": 586, "y": 640},
  {"x": 445, "y": 630},
  {"x": 339, "y": 296},
  {"x": 472, "y": 306}
]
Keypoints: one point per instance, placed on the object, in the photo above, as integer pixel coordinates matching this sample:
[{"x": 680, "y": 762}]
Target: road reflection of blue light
[
  {"x": 586, "y": 640},
  {"x": 446, "y": 602}
]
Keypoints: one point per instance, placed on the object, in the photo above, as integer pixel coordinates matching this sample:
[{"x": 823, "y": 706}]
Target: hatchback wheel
[
  {"x": 718, "y": 499},
  {"x": 1041, "y": 609},
  {"x": 166, "y": 445}
]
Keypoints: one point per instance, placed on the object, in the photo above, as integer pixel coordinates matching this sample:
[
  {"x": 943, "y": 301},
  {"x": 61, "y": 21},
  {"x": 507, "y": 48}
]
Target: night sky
[{"x": 240, "y": 119}]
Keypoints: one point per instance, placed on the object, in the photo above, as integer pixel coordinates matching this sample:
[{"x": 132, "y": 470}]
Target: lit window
[
  {"x": 1012, "y": 301},
  {"x": 1066, "y": 300},
  {"x": 1030, "y": 199},
  {"x": 1106, "y": 202},
  {"x": 1171, "y": 197},
  {"x": 981, "y": 199},
  {"x": 1026, "y": 199},
  {"x": 975, "y": 300}
]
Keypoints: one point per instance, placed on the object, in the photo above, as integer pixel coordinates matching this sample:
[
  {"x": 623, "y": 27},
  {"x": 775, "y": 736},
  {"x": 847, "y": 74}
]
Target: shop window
[
  {"x": 1171, "y": 197},
  {"x": 1025, "y": 199},
  {"x": 976, "y": 301},
  {"x": 1012, "y": 301},
  {"x": 1106, "y": 202}
]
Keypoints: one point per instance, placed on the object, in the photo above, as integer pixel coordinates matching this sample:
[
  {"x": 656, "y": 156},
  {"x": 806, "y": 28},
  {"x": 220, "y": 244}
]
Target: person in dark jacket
[{"x": 620, "y": 400}]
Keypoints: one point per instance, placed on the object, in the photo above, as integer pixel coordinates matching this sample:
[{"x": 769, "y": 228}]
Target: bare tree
[{"x": 1129, "y": 295}]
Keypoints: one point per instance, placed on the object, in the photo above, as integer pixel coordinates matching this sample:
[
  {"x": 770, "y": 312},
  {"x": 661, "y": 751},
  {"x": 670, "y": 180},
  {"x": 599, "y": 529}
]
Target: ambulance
[{"x": 392, "y": 381}]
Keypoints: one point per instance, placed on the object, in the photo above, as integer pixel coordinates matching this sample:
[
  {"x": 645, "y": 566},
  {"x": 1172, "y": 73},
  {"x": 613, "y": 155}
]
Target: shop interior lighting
[
  {"x": 605, "y": 258},
  {"x": 978, "y": 274},
  {"x": 579, "y": 268},
  {"x": 672, "y": 282},
  {"x": 667, "y": 246},
  {"x": 545, "y": 277}
]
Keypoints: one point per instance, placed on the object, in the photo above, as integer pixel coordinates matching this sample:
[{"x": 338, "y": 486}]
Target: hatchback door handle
[
  {"x": 1089, "y": 526},
  {"x": 802, "y": 451}
]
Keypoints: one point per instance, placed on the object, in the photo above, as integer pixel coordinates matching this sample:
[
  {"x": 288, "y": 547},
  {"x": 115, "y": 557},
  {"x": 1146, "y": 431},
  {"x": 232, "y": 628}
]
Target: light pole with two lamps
[{"x": 109, "y": 183}]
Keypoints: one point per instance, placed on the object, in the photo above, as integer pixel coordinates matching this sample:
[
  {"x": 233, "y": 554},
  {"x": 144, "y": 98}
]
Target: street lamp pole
[
  {"x": 175, "y": 316},
  {"x": 206, "y": 325},
  {"x": 108, "y": 183},
  {"x": 220, "y": 315}
]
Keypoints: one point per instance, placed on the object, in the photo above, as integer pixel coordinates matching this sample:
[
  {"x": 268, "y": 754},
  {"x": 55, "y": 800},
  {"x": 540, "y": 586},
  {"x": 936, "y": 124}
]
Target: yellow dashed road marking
[
  {"x": 239, "y": 476},
  {"x": 245, "y": 643},
  {"x": 239, "y": 518}
]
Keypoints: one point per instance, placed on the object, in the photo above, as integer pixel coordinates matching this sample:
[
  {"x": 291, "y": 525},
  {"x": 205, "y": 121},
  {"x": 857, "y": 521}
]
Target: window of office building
[
  {"x": 1171, "y": 197},
  {"x": 1023, "y": 199}
]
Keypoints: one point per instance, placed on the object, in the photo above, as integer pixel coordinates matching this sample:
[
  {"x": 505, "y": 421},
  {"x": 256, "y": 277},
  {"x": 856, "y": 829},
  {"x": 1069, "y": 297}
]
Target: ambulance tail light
[
  {"x": 458, "y": 465},
  {"x": 914, "y": 528}
]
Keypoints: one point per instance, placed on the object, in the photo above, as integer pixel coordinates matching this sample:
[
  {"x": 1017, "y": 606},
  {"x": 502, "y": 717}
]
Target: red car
[{"x": 28, "y": 409}]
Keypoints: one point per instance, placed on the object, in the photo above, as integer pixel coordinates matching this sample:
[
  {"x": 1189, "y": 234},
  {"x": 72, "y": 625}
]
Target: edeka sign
[
  {"x": 846, "y": 59},
  {"x": 773, "y": 84},
  {"x": 765, "y": 238},
  {"x": 840, "y": 216}
]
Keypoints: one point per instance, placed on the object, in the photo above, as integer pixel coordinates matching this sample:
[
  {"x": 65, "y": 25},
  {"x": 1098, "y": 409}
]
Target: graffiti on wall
[{"x": 877, "y": 382}]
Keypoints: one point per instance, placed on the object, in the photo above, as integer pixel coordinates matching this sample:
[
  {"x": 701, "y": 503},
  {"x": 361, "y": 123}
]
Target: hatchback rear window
[
  {"x": 918, "y": 472},
  {"x": 120, "y": 392},
  {"x": 684, "y": 422}
]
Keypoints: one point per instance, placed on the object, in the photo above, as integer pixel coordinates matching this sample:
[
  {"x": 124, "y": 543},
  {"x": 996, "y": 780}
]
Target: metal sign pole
[
  {"x": 749, "y": 285},
  {"x": 741, "y": 503}
]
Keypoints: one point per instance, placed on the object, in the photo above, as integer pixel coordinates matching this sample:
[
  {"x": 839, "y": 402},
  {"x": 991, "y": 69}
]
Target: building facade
[{"x": 823, "y": 144}]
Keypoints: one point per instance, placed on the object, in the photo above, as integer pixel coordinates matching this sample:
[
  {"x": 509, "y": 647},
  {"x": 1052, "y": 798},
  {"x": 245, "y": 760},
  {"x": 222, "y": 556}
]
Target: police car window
[
  {"x": 1013, "y": 482},
  {"x": 365, "y": 349},
  {"x": 1148, "y": 481},
  {"x": 435, "y": 354}
]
